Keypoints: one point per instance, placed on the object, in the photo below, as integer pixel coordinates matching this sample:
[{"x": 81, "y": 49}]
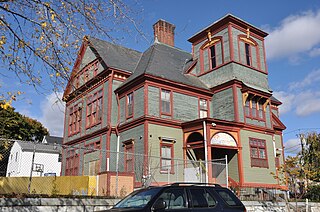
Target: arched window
[
  {"x": 211, "y": 55},
  {"x": 249, "y": 52}
]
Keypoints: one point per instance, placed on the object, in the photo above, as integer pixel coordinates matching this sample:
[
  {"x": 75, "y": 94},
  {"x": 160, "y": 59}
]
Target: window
[
  {"x": 75, "y": 114},
  {"x": 203, "y": 108},
  {"x": 91, "y": 147},
  {"x": 129, "y": 158},
  {"x": 129, "y": 105},
  {"x": 201, "y": 198},
  {"x": 258, "y": 153},
  {"x": 165, "y": 102},
  {"x": 128, "y": 155},
  {"x": 174, "y": 198},
  {"x": 211, "y": 54},
  {"x": 72, "y": 163},
  {"x": 254, "y": 107},
  {"x": 248, "y": 54},
  {"x": 166, "y": 157},
  {"x": 94, "y": 168},
  {"x": 94, "y": 109},
  {"x": 213, "y": 57},
  {"x": 16, "y": 156}
]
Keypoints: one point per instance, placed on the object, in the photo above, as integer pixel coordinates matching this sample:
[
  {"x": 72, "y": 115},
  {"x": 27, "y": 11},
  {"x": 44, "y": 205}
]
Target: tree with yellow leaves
[{"x": 40, "y": 39}]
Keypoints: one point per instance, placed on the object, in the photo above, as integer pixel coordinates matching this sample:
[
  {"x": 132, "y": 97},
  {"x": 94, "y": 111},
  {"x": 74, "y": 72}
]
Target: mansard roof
[
  {"x": 115, "y": 56},
  {"x": 166, "y": 62}
]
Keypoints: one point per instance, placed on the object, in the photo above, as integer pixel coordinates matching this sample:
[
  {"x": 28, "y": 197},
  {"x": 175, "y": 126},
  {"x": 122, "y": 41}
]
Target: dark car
[{"x": 181, "y": 197}]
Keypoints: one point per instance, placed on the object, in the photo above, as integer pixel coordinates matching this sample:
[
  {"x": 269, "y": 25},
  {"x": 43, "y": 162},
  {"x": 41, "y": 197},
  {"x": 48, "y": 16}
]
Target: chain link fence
[{"x": 38, "y": 168}]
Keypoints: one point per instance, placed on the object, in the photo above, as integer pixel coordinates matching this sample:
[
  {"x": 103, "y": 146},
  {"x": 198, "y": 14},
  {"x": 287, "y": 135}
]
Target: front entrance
[{"x": 224, "y": 165}]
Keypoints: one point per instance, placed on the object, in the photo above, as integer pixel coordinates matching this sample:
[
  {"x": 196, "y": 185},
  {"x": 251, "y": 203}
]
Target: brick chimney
[{"x": 164, "y": 32}]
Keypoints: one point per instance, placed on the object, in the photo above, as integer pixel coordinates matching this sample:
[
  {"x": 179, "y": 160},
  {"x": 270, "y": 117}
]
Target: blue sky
[{"x": 292, "y": 48}]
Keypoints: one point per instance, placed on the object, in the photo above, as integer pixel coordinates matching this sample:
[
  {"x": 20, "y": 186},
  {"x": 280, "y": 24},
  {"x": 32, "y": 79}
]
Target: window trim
[
  {"x": 128, "y": 144},
  {"x": 170, "y": 102},
  {"x": 128, "y": 105},
  {"x": 95, "y": 116},
  {"x": 207, "y": 47},
  {"x": 252, "y": 44},
  {"x": 254, "y": 111},
  {"x": 75, "y": 119},
  {"x": 257, "y": 161},
  {"x": 72, "y": 163},
  {"x": 92, "y": 146},
  {"x": 170, "y": 144},
  {"x": 205, "y": 110}
]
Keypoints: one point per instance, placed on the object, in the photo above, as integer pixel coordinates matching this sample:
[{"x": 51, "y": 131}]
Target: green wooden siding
[
  {"x": 240, "y": 105},
  {"x": 235, "y": 33},
  {"x": 153, "y": 101},
  {"x": 185, "y": 108},
  {"x": 219, "y": 76},
  {"x": 138, "y": 101},
  {"x": 226, "y": 52},
  {"x": 105, "y": 104},
  {"x": 123, "y": 109},
  {"x": 268, "y": 117},
  {"x": 114, "y": 109},
  {"x": 256, "y": 174},
  {"x": 103, "y": 162},
  {"x": 154, "y": 133},
  {"x": 222, "y": 105}
]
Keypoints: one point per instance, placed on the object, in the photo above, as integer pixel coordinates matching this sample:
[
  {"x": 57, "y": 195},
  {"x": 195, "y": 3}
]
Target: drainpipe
[
  {"x": 205, "y": 149},
  {"x": 118, "y": 148}
]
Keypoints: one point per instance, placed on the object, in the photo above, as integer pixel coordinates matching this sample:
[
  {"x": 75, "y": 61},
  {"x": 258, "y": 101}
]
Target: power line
[{"x": 302, "y": 129}]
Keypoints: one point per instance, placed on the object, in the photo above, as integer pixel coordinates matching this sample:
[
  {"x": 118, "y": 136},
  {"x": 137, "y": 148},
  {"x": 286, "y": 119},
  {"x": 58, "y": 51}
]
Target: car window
[
  {"x": 201, "y": 198},
  {"x": 175, "y": 198},
  {"x": 138, "y": 199},
  {"x": 229, "y": 197}
]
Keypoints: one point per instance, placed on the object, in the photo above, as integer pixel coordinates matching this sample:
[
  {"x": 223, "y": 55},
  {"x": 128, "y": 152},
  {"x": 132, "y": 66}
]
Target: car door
[
  {"x": 202, "y": 200},
  {"x": 175, "y": 199}
]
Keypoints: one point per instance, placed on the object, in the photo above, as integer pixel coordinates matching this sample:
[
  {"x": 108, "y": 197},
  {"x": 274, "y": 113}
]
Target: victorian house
[{"x": 172, "y": 104}]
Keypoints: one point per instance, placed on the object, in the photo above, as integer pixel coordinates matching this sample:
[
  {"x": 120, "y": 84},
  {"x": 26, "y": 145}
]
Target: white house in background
[{"x": 47, "y": 158}]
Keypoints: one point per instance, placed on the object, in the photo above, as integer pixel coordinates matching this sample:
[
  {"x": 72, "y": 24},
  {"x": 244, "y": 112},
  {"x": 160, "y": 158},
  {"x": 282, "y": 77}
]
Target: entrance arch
[{"x": 195, "y": 147}]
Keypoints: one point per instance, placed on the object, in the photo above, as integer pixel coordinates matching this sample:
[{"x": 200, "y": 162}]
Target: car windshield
[{"x": 138, "y": 199}]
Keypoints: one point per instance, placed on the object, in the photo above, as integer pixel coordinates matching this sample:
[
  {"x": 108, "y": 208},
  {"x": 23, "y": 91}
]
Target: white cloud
[
  {"x": 314, "y": 52},
  {"x": 292, "y": 146},
  {"x": 296, "y": 34},
  {"x": 287, "y": 100},
  {"x": 53, "y": 114},
  {"x": 307, "y": 103},
  {"x": 312, "y": 77}
]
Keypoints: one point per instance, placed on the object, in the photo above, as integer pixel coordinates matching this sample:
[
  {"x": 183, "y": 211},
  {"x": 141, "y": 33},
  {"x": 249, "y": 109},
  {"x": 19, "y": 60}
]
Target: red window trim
[
  {"x": 256, "y": 110},
  {"x": 85, "y": 71},
  {"x": 199, "y": 107},
  {"x": 93, "y": 100},
  {"x": 170, "y": 103},
  {"x": 92, "y": 146},
  {"x": 207, "y": 48},
  {"x": 75, "y": 119},
  {"x": 72, "y": 163},
  {"x": 243, "y": 60},
  {"x": 129, "y": 149},
  {"x": 258, "y": 162},
  {"x": 128, "y": 116},
  {"x": 171, "y": 146}
]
